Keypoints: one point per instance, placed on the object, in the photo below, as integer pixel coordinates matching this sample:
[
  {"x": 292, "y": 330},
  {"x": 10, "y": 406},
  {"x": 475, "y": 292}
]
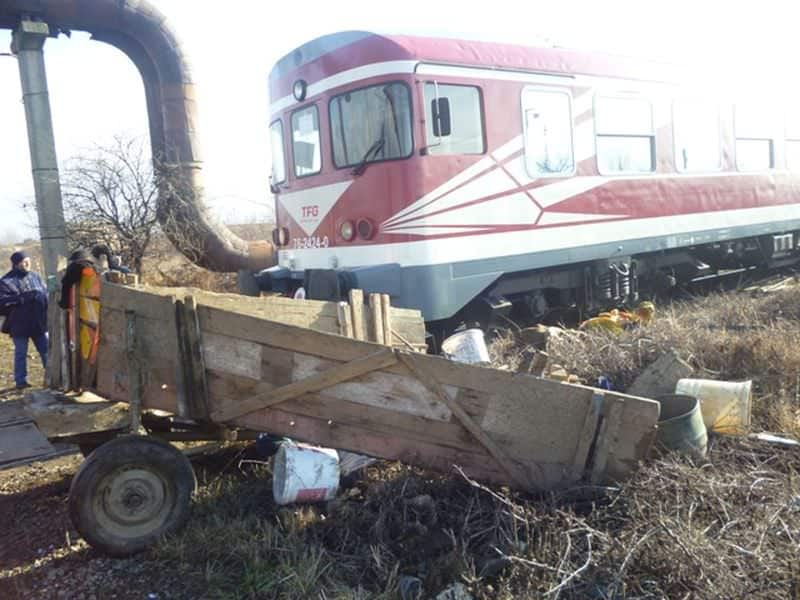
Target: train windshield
[{"x": 371, "y": 124}]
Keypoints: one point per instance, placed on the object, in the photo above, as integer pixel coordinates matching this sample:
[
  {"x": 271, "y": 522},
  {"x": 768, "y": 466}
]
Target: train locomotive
[{"x": 467, "y": 179}]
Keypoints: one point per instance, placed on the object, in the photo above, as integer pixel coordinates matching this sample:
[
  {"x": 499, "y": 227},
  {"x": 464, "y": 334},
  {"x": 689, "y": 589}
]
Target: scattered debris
[
  {"x": 616, "y": 320},
  {"x": 410, "y": 587},
  {"x": 681, "y": 426},
  {"x": 661, "y": 376},
  {"x": 725, "y": 405},
  {"x": 457, "y": 591},
  {"x": 774, "y": 439}
]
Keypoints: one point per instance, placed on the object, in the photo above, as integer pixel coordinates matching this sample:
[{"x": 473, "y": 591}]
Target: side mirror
[{"x": 440, "y": 109}]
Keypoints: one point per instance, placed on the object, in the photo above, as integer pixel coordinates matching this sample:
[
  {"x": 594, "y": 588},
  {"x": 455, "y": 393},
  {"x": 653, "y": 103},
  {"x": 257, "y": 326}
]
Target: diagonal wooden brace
[
  {"x": 338, "y": 374},
  {"x": 429, "y": 381}
]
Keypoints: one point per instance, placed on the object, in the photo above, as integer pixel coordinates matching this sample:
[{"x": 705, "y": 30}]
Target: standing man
[{"x": 23, "y": 300}]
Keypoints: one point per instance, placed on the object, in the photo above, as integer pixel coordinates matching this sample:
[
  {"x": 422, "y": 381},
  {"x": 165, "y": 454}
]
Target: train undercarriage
[{"x": 584, "y": 289}]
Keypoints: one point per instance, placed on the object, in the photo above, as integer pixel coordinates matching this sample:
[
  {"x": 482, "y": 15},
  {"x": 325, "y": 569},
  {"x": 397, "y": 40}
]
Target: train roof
[{"x": 336, "y": 52}]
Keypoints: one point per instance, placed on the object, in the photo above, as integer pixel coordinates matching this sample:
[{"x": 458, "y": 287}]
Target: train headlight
[
  {"x": 365, "y": 229},
  {"x": 299, "y": 90},
  {"x": 348, "y": 231},
  {"x": 280, "y": 236}
]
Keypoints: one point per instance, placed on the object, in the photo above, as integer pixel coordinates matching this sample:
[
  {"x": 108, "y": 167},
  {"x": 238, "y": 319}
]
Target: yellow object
[{"x": 615, "y": 320}]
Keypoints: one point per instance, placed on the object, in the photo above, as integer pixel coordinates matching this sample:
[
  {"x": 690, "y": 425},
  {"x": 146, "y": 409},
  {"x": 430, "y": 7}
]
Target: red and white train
[{"x": 466, "y": 177}]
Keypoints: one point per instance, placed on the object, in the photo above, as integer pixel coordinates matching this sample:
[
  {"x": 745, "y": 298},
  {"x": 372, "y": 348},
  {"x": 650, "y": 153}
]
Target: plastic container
[
  {"x": 466, "y": 346},
  {"x": 725, "y": 405},
  {"x": 303, "y": 473},
  {"x": 680, "y": 426}
]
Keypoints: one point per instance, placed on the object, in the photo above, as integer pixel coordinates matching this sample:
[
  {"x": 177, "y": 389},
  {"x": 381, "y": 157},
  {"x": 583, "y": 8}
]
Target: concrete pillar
[{"x": 28, "y": 44}]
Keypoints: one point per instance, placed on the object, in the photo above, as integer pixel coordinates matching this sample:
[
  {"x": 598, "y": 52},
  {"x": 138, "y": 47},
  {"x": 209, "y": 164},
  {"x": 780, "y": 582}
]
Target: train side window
[
  {"x": 755, "y": 129},
  {"x": 697, "y": 136},
  {"x": 306, "y": 142},
  {"x": 792, "y": 140},
  {"x": 278, "y": 159},
  {"x": 624, "y": 135},
  {"x": 466, "y": 119},
  {"x": 547, "y": 123}
]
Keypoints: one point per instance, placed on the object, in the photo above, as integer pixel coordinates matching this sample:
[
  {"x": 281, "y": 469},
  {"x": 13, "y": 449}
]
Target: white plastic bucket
[
  {"x": 466, "y": 346},
  {"x": 303, "y": 473},
  {"x": 725, "y": 404}
]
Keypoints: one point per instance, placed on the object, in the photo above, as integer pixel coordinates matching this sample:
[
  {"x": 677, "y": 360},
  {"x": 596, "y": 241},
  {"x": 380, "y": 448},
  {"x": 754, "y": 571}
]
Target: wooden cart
[{"x": 224, "y": 363}]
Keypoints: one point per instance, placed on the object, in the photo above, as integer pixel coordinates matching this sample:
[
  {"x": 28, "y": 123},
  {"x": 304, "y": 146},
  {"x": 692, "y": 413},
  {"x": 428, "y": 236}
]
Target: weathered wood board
[
  {"x": 312, "y": 314},
  {"x": 363, "y": 397}
]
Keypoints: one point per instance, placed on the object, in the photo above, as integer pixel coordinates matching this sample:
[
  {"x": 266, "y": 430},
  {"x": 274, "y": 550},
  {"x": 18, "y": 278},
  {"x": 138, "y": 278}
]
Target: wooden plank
[
  {"x": 375, "y": 319},
  {"x": 158, "y": 379},
  {"x": 157, "y": 339},
  {"x": 66, "y": 378},
  {"x": 13, "y": 412},
  {"x": 21, "y": 441},
  {"x": 587, "y": 436},
  {"x": 57, "y": 415},
  {"x": 134, "y": 371},
  {"x": 183, "y": 366},
  {"x": 53, "y": 369},
  {"x": 198, "y": 400},
  {"x": 386, "y": 321},
  {"x": 75, "y": 342},
  {"x": 415, "y": 366},
  {"x": 232, "y": 355},
  {"x": 357, "y": 312},
  {"x": 319, "y": 405},
  {"x": 398, "y": 393},
  {"x": 606, "y": 439},
  {"x": 634, "y": 437},
  {"x": 314, "y": 314},
  {"x": 350, "y": 370},
  {"x": 345, "y": 320},
  {"x": 364, "y": 441}
]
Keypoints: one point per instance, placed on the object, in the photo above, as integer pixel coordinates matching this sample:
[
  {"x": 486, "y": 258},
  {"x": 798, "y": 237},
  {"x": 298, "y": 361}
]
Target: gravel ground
[{"x": 41, "y": 554}]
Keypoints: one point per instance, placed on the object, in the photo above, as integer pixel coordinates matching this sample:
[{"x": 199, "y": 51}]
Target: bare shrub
[{"x": 110, "y": 194}]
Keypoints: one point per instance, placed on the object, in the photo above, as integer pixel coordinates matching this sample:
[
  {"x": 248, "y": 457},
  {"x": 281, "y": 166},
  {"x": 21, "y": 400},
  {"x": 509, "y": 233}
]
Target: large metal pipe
[{"x": 139, "y": 30}]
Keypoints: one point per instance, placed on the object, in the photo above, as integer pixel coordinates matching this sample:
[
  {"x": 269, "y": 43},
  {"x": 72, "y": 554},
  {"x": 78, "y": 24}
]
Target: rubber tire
[{"x": 126, "y": 468}]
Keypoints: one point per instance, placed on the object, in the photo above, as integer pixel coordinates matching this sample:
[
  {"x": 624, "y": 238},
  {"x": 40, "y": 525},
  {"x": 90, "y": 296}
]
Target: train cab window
[
  {"x": 624, "y": 135},
  {"x": 793, "y": 140},
  {"x": 278, "y": 159},
  {"x": 305, "y": 141},
  {"x": 465, "y": 132},
  {"x": 755, "y": 127},
  {"x": 371, "y": 124},
  {"x": 547, "y": 122},
  {"x": 697, "y": 136}
]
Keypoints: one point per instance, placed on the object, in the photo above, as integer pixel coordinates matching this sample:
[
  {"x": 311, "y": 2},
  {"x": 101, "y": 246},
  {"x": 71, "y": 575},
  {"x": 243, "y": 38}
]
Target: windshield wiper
[{"x": 372, "y": 151}]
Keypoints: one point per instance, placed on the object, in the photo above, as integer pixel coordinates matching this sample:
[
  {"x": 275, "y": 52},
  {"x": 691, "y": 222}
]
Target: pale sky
[{"x": 96, "y": 93}]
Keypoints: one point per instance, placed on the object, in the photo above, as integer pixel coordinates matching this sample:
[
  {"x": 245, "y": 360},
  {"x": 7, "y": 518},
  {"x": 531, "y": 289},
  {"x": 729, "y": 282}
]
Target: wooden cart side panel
[
  {"x": 366, "y": 441},
  {"x": 539, "y": 424},
  {"x": 314, "y": 314}
]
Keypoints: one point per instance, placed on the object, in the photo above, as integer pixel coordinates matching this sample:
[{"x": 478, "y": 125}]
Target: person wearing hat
[{"x": 23, "y": 302}]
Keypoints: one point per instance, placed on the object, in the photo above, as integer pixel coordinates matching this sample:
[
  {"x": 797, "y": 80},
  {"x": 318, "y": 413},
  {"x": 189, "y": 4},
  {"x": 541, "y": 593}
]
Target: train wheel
[{"x": 129, "y": 492}]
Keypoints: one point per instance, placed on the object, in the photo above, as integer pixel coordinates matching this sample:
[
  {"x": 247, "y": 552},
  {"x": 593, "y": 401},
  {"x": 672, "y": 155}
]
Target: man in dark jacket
[{"x": 23, "y": 299}]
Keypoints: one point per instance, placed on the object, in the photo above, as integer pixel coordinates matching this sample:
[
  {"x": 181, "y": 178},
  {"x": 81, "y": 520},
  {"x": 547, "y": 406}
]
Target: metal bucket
[
  {"x": 303, "y": 473},
  {"x": 466, "y": 346},
  {"x": 681, "y": 426}
]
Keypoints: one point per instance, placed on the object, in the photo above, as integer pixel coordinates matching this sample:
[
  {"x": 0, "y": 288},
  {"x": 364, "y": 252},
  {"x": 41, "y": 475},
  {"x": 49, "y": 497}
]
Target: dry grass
[
  {"x": 733, "y": 336},
  {"x": 726, "y": 528}
]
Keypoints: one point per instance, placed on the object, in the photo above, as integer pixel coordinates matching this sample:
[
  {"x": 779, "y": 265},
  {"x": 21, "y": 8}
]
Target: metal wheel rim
[{"x": 133, "y": 502}]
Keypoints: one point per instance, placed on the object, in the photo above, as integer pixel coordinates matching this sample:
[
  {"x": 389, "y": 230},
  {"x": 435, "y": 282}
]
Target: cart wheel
[{"x": 130, "y": 492}]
